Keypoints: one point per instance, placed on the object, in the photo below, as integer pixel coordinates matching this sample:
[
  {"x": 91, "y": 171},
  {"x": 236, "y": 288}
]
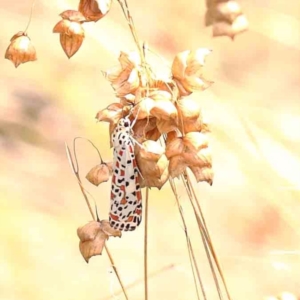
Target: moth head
[{"x": 125, "y": 122}]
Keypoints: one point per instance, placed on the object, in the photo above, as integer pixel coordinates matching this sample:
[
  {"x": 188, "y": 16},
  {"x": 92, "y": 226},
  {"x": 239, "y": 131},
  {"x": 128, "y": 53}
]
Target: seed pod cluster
[{"x": 169, "y": 128}]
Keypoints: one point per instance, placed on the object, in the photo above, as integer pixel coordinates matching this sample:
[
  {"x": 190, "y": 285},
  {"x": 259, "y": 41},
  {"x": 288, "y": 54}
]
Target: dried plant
[
  {"x": 226, "y": 17},
  {"x": 156, "y": 128}
]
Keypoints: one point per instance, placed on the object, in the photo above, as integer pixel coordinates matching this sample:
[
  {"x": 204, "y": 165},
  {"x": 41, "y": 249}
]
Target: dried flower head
[
  {"x": 161, "y": 110},
  {"x": 100, "y": 173},
  {"x": 187, "y": 70},
  {"x": 93, "y": 237},
  {"x": 20, "y": 49},
  {"x": 94, "y": 10},
  {"x": 71, "y": 31}
]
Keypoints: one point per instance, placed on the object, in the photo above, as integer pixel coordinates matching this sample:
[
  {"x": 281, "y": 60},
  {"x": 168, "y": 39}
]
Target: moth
[{"x": 126, "y": 197}]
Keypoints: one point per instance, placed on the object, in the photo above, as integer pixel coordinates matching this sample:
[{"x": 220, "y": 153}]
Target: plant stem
[
  {"x": 146, "y": 245},
  {"x": 76, "y": 173},
  {"x": 127, "y": 15},
  {"x": 189, "y": 244},
  {"x": 30, "y": 17},
  {"x": 201, "y": 220}
]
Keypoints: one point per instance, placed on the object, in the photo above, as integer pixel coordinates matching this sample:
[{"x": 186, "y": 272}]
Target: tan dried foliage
[
  {"x": 190, "y": 151},
  {"x": 152, "y": 164},
  {"x": 94, "y": 10},
  {"x": 99, "y": 174},
  {"x": 20, "y": 49},
  {"x": 71, "y": 31},
  {"x": 160, "y": 108},
  {"x": 187, "y": 69},
  {"x": 226, "y": 17},
  {"x": 93, "y": 236}
]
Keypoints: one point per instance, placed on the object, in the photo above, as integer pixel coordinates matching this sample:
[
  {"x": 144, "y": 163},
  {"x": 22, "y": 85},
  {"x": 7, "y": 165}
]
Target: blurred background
[{"x": 252, "y": 209}]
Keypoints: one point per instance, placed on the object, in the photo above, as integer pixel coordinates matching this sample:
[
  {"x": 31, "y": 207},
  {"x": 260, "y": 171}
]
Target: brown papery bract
[
  {"x": 190, "y": 118},
  {"x": 200, "y": 158},
  {"x": 20, "y": 49},
  {"x": 239, "y": 25},
  {"x": 174, "y": 145},
  {"x": 99, "y": 174},
  {"x": 145, "y": 128},
  {"x": 177, "y": 166},
  {"x": 203, "y": 174},
  {"x": 143, "y": 107},
  {"x": 94, "y": 10},
  {"x": 195, "y": 140},
  {"x": 226, "y": 17},
  {"x": 93, "y": 236},
  {"x": 152, "y": 164},
  {"x": 187, "y": 69},
  {"x": 71, "y": 31},
  {"x": 112, "y": 113}
]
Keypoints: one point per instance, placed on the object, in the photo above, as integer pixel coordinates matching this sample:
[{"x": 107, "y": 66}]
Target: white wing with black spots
[{"x": 126, "y": 197}]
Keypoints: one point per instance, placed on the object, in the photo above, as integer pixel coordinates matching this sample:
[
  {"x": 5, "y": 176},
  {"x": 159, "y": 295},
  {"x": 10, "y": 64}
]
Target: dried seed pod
[
  {"x": 112, "y": 113},
  {"x": 71, "y": 31},
  {"x": 201, "y": 158},
  {"x": 93, "y": 236},
  {"x": 128, "y": 99},
  {"x": 190, "y": 118},
  {"x": 203, "y": 174},
  {"x": 151, "y": 151},
  {"x": 165, "y": 126},
  {"x": 177, "y": 166},
  {"x": 73, "y": 15},
  {"x": 195, "y": 141},
  {"x": 159, "y": 181},
  {"x": 190, "y": 126},
  {"x": 174, "y": 145},
  {"x": 94, "y": 10},
  {"x": 127, "y": 82},
  {"x": 99, "y": 174},
  {"x": 161, "y": 95},
  {"x": 152, "y": 164},
  {"x": 187, "y": 68},
  {"x": 196, "y": 151},
  {"x": 188, "y": 108},
  {"x": 153, "y": 134},
  {"x": 124, "y": 81},
  {"x": 142, "y": 108},
  {"x": 181, "y": 89},
  {"x": 239, "y": 25},
  {"x": 164, "y": 110},
  {"x": 107, "y": 229},
  {"x": 162, "y": 86},
  {"x": 227, "y": 11},
  {"x": 129, "y": 60},
  {"x": 20, "y": 49},
  {"x": 143, "y": 128},
  {"x": 192, "y": 83}
]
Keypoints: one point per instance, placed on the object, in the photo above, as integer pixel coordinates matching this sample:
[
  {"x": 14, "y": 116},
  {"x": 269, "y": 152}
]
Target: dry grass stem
[
  {"x": 204, "y": 232},
  {"x": 189, "y": 244},
  {"x": 75, "y": 171},
  {"x": 146, "y": 244},
  {"x": 30, "y": 16}
]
